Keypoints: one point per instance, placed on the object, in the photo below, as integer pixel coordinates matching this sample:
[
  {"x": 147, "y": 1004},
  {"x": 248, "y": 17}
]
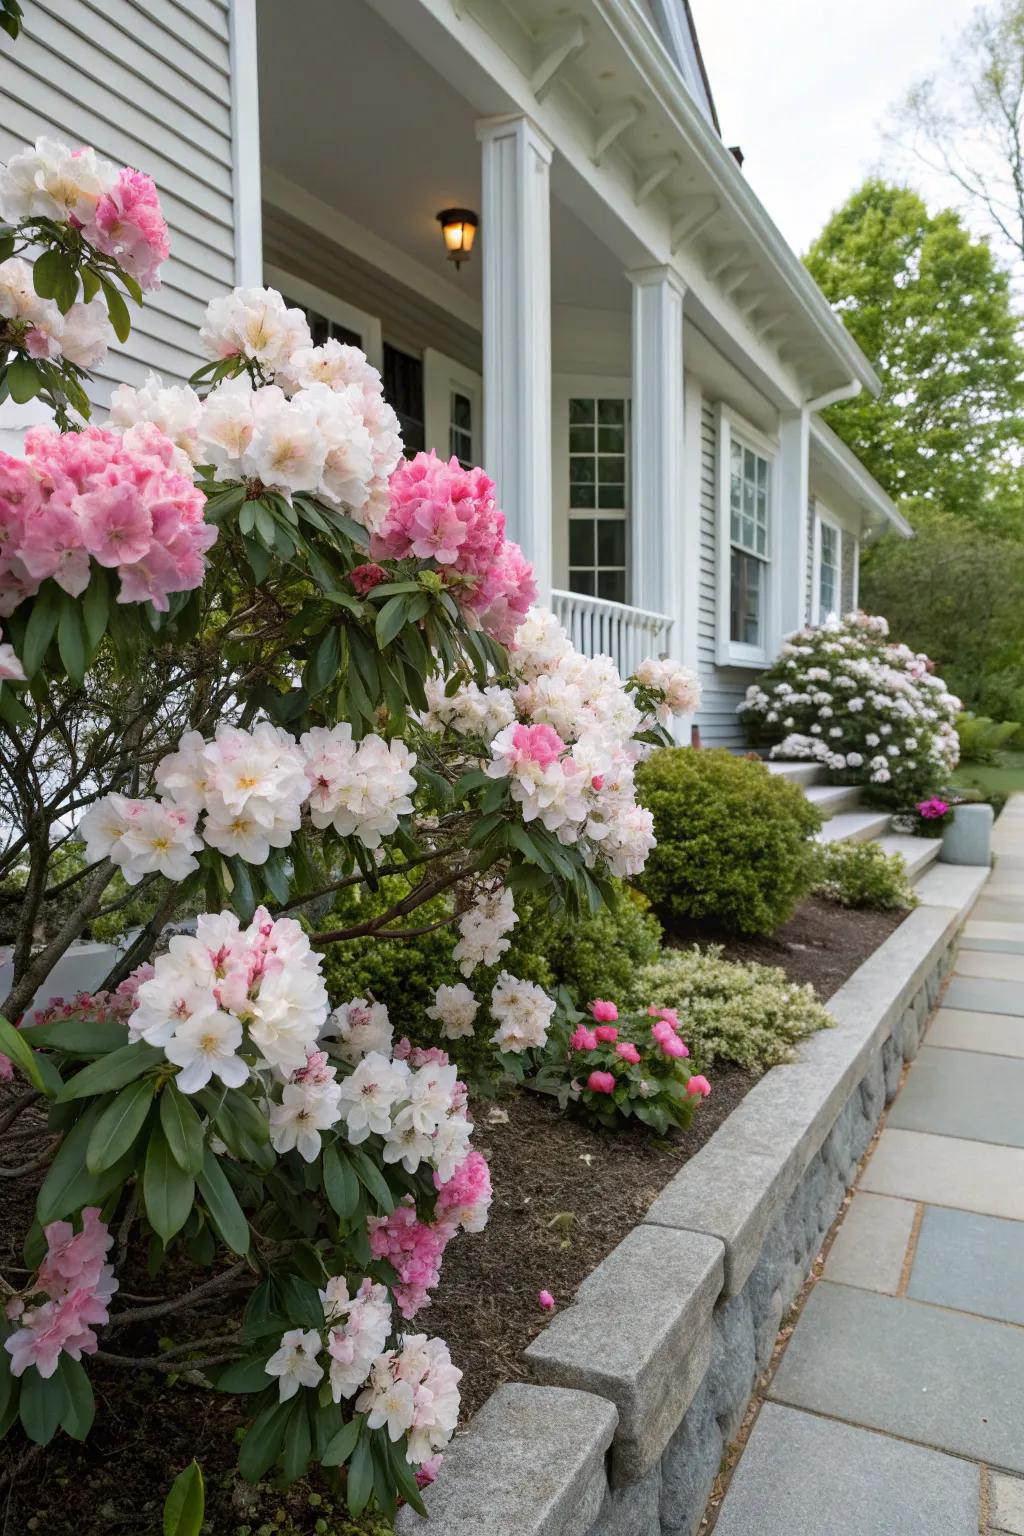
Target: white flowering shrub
[
  {"x": 870, "y": 711},
  {"x": 255, "y": 658}
]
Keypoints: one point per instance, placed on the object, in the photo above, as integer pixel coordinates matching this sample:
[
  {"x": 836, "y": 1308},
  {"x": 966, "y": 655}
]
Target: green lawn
[{"x": 1003, "y": 777}]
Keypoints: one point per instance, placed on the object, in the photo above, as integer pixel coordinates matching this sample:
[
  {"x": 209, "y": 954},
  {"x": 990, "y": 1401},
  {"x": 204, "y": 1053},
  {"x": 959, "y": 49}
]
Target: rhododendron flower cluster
[
  {"x": 418, "y": 1110},
  {"x": 82, "y": 336},
  {"x": 309, "y": 1104},
  {"x": 634, "y": 1065},
  {"x": 77, "y": 1285},
  {"x": 869, "y": 711},
  {"x": 523, "y": 1013},
  {"x": 448, "y": 514},
  {"x": 126, "y": 502},
  {"x": 115, "y": 208},
  {"x": 678, "y": 686},
  {"x": 415, "y": 1248},
  {"x": 411, "y": 1390},
  {"x": 249, "y": 787},
  {"x": 482, "y": 928},
  {"x": 228, "y": 999},
  {"x": 455, "y": 1009}
]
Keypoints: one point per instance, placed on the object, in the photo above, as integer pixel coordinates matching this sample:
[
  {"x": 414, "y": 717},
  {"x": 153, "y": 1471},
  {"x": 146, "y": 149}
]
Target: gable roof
[{"x": 673, "y": 22}]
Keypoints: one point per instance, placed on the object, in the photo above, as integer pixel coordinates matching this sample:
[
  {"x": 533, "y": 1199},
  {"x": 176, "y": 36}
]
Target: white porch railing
[{"x": 598, "y": 626}]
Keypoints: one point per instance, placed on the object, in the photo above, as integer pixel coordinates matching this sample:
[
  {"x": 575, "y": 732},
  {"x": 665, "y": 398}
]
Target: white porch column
[
  {"x": 516, "y": 241},
  {"x": 658, "y": 490},
  {"x": 791, "y": 576}
]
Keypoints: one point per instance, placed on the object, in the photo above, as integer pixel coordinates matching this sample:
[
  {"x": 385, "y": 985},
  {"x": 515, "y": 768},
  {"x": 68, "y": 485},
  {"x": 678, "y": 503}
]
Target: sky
[{"x": 807, "y": 87}]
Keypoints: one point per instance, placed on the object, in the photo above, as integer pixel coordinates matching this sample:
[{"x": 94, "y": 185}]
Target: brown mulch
[
  {"x": 822, "y": 943},
  {"x": 565, "y": 1195}
]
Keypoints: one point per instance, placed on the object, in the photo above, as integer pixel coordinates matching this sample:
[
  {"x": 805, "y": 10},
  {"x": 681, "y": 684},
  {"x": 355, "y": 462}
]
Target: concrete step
[
  {"x": 917, "y": 853},
  {"x": 855, "y": 827},
  {"x": 833, "y": 798},
  {"x": 797, "y": 773}
]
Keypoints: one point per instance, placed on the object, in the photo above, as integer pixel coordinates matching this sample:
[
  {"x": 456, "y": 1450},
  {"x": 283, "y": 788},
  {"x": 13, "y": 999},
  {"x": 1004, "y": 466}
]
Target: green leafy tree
[{"x": 931, "y": 308}]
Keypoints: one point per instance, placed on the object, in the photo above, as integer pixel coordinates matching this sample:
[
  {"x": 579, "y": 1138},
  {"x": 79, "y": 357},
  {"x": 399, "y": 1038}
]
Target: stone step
[
  {"x": 855, "y": 827},
  {"x": 917, "y": 853},
  {"x": 833, "y": 798},
  {"x": 797, "y": 773}
]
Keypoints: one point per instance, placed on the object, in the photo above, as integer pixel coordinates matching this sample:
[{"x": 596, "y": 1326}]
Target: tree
[
  {"x": 930, "y": 307},
  {"x": 965, "y": 122}
]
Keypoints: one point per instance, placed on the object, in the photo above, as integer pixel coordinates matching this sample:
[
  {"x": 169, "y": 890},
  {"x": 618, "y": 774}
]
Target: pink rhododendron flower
[
  {"x": 607, "y": 1034},
  {"x": 78, "y": 1285},
  {"x": 604, "y": 1012},
  {"x": 932, "y": 809},
  {"x": 628, "y": 1051},
  {"x": 426, "y": 1472},
  {"x": 365, "y": 577},
  {"x": 699, "y": 1084},
  {"x": 546, "y": 1300},
  {"x": 538, "y": 744},
  {"x": 601, "y": 1082},
  {"x": 583, "y": 1039},
  {"x": 129, "y": 225}
]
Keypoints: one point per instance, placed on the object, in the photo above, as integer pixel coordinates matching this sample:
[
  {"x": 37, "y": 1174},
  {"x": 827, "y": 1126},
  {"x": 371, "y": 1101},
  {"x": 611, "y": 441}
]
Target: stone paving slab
[
  {"x": 1006, "y": 1504},
  {"x": 970, "y": 1262},
  {"x": 871, "y": 1244},
  {"x": 941, "y": 1378},
  {"x": 958, "y": 1029},
  {"x": 943, "y": 1170},
  {"x": 990, "y": 909},
  {"x": 985, "y": 996},
  {"x": 992, "y": 966},
  {"x": 950, "y": 885},
  {"x": 804, "y": 1476},
  {"x": 964, "y": 1093},
  {"x": 1005, "y": 937}
]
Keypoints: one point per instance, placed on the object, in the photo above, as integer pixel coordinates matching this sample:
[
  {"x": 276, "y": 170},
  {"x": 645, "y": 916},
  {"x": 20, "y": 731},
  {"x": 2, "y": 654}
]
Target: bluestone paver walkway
[{"x": 898, "y": 1406}]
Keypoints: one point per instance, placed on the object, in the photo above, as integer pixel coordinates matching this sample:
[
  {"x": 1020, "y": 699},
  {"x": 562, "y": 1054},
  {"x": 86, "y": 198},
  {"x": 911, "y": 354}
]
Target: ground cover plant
[
  {"x": 254, "y": 658},
  {"x": 863, "y": 875},
  {"x": 869, "y": 711}
]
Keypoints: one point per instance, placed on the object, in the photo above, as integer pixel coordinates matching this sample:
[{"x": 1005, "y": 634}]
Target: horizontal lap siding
[
  {"x": 723, "y": 687},
  {"x": 407, "y": 320},
  {"x": 146, "y": 83},
  {"x": 809, "y": 583}
]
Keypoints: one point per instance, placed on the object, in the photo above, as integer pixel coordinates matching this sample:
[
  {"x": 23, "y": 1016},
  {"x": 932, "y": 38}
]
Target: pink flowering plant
[
  {"x": 628, "y": 1066},
  {"x": 72, "y": 223},
  {"x": 252, "y": 657}
]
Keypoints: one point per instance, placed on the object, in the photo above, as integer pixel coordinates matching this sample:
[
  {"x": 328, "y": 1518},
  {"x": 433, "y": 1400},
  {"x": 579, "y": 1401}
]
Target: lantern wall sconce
[{"x": 458, "y": 226}]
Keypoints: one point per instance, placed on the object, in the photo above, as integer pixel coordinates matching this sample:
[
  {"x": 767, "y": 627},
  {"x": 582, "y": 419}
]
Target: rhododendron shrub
[
  {"x": 87, "y": 226},
  {"x": 268, "y": 661},
  {"x": 628, "y": 1065},
  {"x": 868, "y": 710}
]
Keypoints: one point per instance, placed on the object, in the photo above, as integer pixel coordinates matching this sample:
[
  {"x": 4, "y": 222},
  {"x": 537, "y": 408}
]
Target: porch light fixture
[{"x": 458, "y": 226}]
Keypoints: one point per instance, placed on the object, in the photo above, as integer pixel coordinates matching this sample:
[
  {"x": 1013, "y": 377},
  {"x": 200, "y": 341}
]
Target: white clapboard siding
[
  {"x": 809, "y": 584},
  {"x": 723, "y": 687},
  {"x": 147, "y": 83}
]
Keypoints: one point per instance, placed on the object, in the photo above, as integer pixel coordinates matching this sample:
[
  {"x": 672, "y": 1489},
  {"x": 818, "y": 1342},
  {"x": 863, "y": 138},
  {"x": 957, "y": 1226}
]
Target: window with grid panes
[
  {"x": 403, "y": 390},
  {"x": 749, "y": 531},
  {"x": 829, "y": 569},
  {"x": 460, "y": 427},
  {"x": 598, "y": 496}
]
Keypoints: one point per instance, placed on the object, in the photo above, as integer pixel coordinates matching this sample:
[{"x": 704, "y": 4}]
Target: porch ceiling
[{"x": 354, "y": 115}]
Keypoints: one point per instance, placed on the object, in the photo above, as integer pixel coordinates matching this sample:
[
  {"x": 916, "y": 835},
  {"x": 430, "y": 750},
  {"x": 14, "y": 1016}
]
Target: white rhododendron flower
[
  {"x": 295, "y": 1364},
  {"x": 360, "y": 788},
  {"x": 455, "y": 1009},
  {"x": 175, "y": 408},
  {"x": 309, "y": 1104},
  {"x": 523, "y": 1011},
  {"x": 256, "y": 324},
  {"x": 51, "y": 181},
  {"x": 205, "y": 1045},
  {"x": 482, "y": 929},
  {"x": 359, "y": 1027}
]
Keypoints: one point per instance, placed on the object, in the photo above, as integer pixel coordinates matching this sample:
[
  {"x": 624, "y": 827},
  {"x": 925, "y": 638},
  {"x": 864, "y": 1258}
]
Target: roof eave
[{"x": 861, "y": 485}]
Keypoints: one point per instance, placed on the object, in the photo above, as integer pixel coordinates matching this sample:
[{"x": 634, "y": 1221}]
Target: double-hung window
[
  {"x": 827, "y": 596},
  {"x": 598, "y": 496},
  {"x": 746, "y": 533}
]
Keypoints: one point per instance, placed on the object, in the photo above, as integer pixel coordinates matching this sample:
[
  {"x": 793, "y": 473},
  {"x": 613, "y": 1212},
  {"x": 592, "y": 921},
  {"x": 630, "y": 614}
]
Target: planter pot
[{"x": 967, "y": 839}]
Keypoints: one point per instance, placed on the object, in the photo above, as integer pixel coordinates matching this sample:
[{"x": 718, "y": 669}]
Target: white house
[{"x": 632, "y": 350}]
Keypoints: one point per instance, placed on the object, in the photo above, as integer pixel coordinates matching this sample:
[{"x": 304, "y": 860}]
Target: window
[
  {"x": 828, "y": 569},
  {"x": 598, "y": 496},
  {"x": 321, "y": 328},
  {"x": 460, "y": 427},
  {"x": 403, "y": 390},
  {"x": 746, "y": 537}
]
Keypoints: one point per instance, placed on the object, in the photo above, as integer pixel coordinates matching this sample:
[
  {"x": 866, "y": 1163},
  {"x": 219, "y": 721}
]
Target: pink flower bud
[
  {"x": 547, "y": 1301},
  {"x": 601, "y": 1082}
]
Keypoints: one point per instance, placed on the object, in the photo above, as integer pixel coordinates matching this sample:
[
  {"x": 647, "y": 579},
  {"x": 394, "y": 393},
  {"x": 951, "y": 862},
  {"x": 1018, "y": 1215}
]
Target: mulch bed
[{"x": 565, "y": 1195}]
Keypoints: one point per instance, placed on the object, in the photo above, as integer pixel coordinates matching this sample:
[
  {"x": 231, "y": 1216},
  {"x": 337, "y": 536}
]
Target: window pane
[
  {"x": 612, "y": 498},
  {"x": 582, "y": 581},
  {"x": 611, "y": 541},
  {"x": 345, "y": 334},
  {"x": 762, "y": 541},
  {"x": 318, "y": 329},
  {"x": 581, "y": 439},
  {"x": 611, "y": 413},
  {"x": 745, "y": 599},
  {"x": 581, "y": 541},
  {"x": 612, "y": 584},
  {"x": 462, "y": 411},
  {"x": 611, "y": 439},
  {"x": 403, "y": 389},
  {"x": 581, "y": 471},
  {"x": 762, "y": 473},
  {"x": 581, "y": 411},
  {"x": 611, "y": 468}
]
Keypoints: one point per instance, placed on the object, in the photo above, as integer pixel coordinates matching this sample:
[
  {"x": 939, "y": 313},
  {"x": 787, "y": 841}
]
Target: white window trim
[
  {"x": 332, "y": 308},
  {"x": 442, "y": 375},
  {"x": 731, "y": 653},
  {"x": 822, "y": 515}
]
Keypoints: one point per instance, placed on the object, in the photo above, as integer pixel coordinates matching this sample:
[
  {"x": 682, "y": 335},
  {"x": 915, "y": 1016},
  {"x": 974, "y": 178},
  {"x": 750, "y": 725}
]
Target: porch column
[
  {"x": 791, "y": 575},
  {"x": 658, "y": 474},
  {"x": 516, "y": 241}
]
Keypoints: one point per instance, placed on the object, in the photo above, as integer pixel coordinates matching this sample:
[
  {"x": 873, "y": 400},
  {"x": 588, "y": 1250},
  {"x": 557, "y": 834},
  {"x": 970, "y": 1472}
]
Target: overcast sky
[{"x": 806, "y": 89}]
